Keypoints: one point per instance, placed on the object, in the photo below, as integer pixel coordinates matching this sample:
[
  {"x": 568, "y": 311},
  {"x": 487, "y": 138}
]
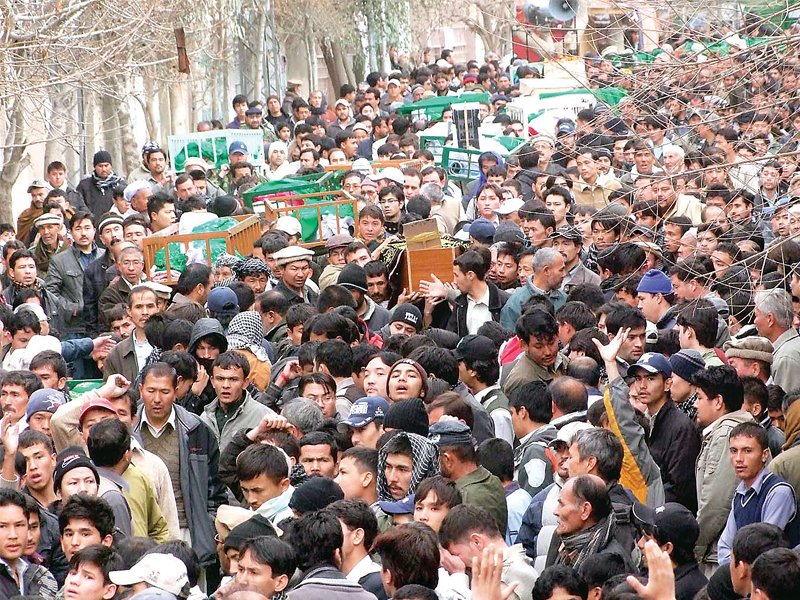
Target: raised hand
[
  {"x": 433, "y": 289},
  {"x": 661, "y": 578},
  {"x": 609, "y": 351},
  {"x": 115, "y": 387},
  {"x": 10, "y": 436},
  {"x": 486, "y": 572}
]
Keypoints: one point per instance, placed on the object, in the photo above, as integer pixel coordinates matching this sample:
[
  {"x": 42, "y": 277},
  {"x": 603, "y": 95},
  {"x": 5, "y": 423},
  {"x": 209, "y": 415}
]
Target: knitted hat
[
  {"x": 315, "y": 494},
  {"x": 655, "y": 282},
  {"x": 69, "y": 459},
  {"x": 44, "y": 400},
  {"x": 353, "y": 277},
  {"x": 751, "y": 348},
  {"x": 409, "y": 314},
  {"x": 409, "y": 416},
  {"x": 223, "y": 206},
  {"x": 686, "y": 363},
  {"x": 255, "y": 526},
  {"x": 101, "y": 156}
]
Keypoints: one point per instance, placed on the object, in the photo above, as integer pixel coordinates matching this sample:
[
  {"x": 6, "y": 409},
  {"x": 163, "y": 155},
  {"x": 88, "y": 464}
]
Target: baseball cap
[
  {"x": 342, "y": 102},
  {"x": 482, "y": 230},
  {"x": 38, "y": 184},
  {"x": 163, "y": 571},
  {"x": 450, "y": 433},
  {"x": 222, "y": 301},
  {"x": 568, "y": 232},
  {"x": 289, "y": 225},
  {"x": 101, "y": 403},
  {"x": 509, "y": 206},
  {"x": 566, "y": 128},
  {"x": 392, "y": 174},
  {"x": 398, "y": 507},
  {"x": 237, "y": 148},
  {"x": 473, "y": 348},
  {"x": 652, "y": 362},
  {"x": 364, "y": 411},
  {"x": 253, "y": 110}
]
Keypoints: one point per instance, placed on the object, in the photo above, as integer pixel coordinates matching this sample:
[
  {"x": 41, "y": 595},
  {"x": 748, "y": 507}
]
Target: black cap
[
  {"x": 68, "y": 459},
  {"x": 473, "y": 348},
  {"x": 353, "y": 277},
  {"x": 315, "y": 494},
  {"x": 675, "y": 523},
  {"x": 568, "y": 232}
]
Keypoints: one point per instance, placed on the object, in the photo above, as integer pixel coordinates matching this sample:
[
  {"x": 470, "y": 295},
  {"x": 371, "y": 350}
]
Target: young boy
[
  {"x": 88, "y": 574},
  {"x": 263, "y": 474},
  {"x": 434, "y": 498},
  {"x": 85, "y": 521},
  {"x": 266, "y": 564}
]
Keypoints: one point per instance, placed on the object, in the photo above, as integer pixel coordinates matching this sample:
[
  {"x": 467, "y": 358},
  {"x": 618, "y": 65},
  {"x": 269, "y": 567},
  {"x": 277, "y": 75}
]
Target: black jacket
[
  {"x": 96, "y": 278},
  {"x": 674, "y": 444},
  {"x": 98, "y": 201},
  {"x": 688, "y": 581},
  {"x": 458, "y": 318}
]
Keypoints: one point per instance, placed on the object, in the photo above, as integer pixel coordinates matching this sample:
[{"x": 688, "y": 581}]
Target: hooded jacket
[
  {"x": 212, "y": 328},
  {"x": 424, "y": 461}
]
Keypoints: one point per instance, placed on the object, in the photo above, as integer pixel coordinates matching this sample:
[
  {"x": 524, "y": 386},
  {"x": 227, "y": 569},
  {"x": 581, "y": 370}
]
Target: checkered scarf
[
  {"x": 425, "y": 463},
  {"x": 250, "y": 266},
  {"x": 246, "y": 332}
]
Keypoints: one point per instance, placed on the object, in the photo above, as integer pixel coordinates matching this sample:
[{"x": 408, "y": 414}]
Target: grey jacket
[
  {"x": 203, "y": 492},
  {"x": 64, "y": 280},
  {"x": 329, "y": 583},
  {"x": 245, "y": 417},
  {"x": 716, "y": 483}
]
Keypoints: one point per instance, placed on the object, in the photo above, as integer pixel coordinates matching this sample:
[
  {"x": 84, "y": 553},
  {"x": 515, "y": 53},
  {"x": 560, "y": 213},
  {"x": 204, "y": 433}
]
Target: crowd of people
[{"x": 601, "y": 402}]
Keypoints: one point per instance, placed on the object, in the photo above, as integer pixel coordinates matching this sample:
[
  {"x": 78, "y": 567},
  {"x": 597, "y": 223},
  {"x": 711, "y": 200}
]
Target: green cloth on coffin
[
  {"x": 207, "y": 150},
  {"x": 177, "y": 253},
  {"x": 77, "y": 387}
]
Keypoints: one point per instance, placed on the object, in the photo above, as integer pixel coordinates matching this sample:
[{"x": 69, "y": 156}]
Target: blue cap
[
  {"x": 222, "y": 301},
  {"x": 237, "y": 148},
  {"x": 652, "y": 362},
  {"x": 44, "y": 400},
  {"x": 482, "y": 230},
  {"x": 398, "y": 507},
  {"x": 365, "y": 410},
  {"x": 655, "y": 282}
]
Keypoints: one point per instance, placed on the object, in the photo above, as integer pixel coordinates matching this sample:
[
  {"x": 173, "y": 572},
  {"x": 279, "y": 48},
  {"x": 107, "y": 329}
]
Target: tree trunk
[
  {"x": 15, "y": 159},
  {"x": 130, "y": 153}
]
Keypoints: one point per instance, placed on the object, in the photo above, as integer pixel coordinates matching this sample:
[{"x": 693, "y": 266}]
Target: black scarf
[{"x": 107, "y": 183}]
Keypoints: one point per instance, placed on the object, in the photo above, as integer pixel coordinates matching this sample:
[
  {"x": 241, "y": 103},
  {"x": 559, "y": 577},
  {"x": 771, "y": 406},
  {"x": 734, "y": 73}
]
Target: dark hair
[
  {"x": 753, "y": 430},
  {"x": 776, "y": 573},
  {"x": 24, "y": 379},
  {"x": 335, "y": 295},
  {"x": 569, "y": 394},
  {"x": 447, "y": 493},
  {"x": 132, "y": 549},
  {"x": 622, "y": 316},
  {"x": 159, "y": 369},
  {"x": 437, "y": 361},
  {"x": 589, "y": 489},
  {"x": 496, "y": 456},
  {"x": 413, "y": 591},
  {"x": 108, "y": 442},
  {"x": 22, "y": 320},
  {"x": 259, "y": 459},
  {"x": 356, "y": 514},
  {"x": 52, "y": 359},
  {"x": 177, "y": 331},
  {"x": 18, "y": 255},
  {"x": 193, "y": 274},
  {"x": 232, "y": 360},
  {"x": 395, "y": 546},
  {"x": 9, "y": 497},
  {"x": 701, "y": 316},
  {"x": 317, "y": 377},
  {"x": 337, "y": 356},
  {"x": 588, "y": 293},
  {"x": 88, "y": 508},
  {"x": 245, "y": 296},
  {"x": 272, "y": 551},
  {"x": 184, "y": 363},
  {"x": 453, "y": 405},
  {"x": 365, "y": 458},
  {"x": 535, "y": 398},
  {"x": 331, "y": 326},
  {"x": 273, "y": 301},
  {"x": 536, "y": 323},
  {"x": 576, "y": 314},
  {"x": 29, "y": 438},
  {"x": 464, "y": 520},
  {"x": 102, "y": 557},
  {"x": 722, "y": 381},
  {"x": 751, "y": 541},
  {"x": 316, "y": 536},
  {"x": 559, "y": 576},
  {"x": 319, "y": 438},
  {"x": 472, "y": 261},
  {"x": 297, "y": 314},
  {"x": 599, "y": 568}
]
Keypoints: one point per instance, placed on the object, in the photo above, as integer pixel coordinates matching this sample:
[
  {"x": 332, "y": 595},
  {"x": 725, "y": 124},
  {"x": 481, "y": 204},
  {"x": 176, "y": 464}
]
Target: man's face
[
  {"x": 644, "y": 160},
  {"x": 318, "y": 460},
  {"x": 296, "y": 273},
  {"x": 49, "y": 234},
  {"x": 707, "y": 242},
  {"x": 13, "y": 532},
  {"x": 369, "y": 228},
  {"x": 404, "y": 383},
  {"x": 349, "y": 147},
  {"x": 186, "y": 189},
  {"x": 83, "y": 234},
  {"x": 40, "y": 421},
  {"x": 78, "y": 481},
  {"x": 649, "y": 305},
  {"x": 123, "y": 327},
  {"x": 77, "y": 535},
  {"x": 323, "y": 397},
  {"x": 664, "y": 193},
  {"x": 87, "y": 582},
  {"x": 259, "y": 577},
  {"x": 336, "y": 256},
  {"x": 411, "y": 185},
  {"x": 650, "y": 388},
  {"x": 256, "y": 282},
  {"x": 111, "y": 234},
  {"x": 206, "y": 350},
  {"x": 770, "y": 177},
  {"x": 25, "y": 271},
  {"x": 430, "y": 511},
  {"x": 143, "y": 306},
  {"x": 342, "y": 112},
  {"x": 555, "y": 273},
  {"x": 587, "y": 167},
  {"x": 156, "y": 163},
  {"x": 633, "y": 348},
  {"x": 350, "y": 478},
  {"x": 56, "y": 178},
  {"x": 253, "y": 121},
  {"x": 542, "y": 351},
  {"x": 780, "y": 222},
  {"x": 747, "y": 457},
  {"x": 102, "y": 170},
  {"x": 390, "y": 205},
  {"x": 536, "y": 233},
  {"x": 39, "y": 466},
  {"x": 135, "y": 234},
  {"x": 229, "y": 384},
  {"x": 14, "y": 400},
  {"x": 739, "y": 210},
  {"x": 505, "y": 269},
  {"x": 367, "y": 436},
  {"x": 569, "y": 511},
  {"x": 378, "y": 288},
  {"x": 158, "y": 395},
  {"x": 164, "y": 217},
  {"x": 261, "y": 489},
  {"x": 398, "y": 471},
  {"x": 359, "y": 257}
]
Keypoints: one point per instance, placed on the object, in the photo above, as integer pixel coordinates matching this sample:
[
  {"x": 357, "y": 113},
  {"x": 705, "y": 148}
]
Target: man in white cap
[
  {"x": 38, "y": 191},
  {"x": 344, "y": 121},
  {"x": 161, "y": 571},
  {"x": 137, "y": 194},
  {"x": 49, "y": 240},
  {"x": 295, "y": 265}
]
